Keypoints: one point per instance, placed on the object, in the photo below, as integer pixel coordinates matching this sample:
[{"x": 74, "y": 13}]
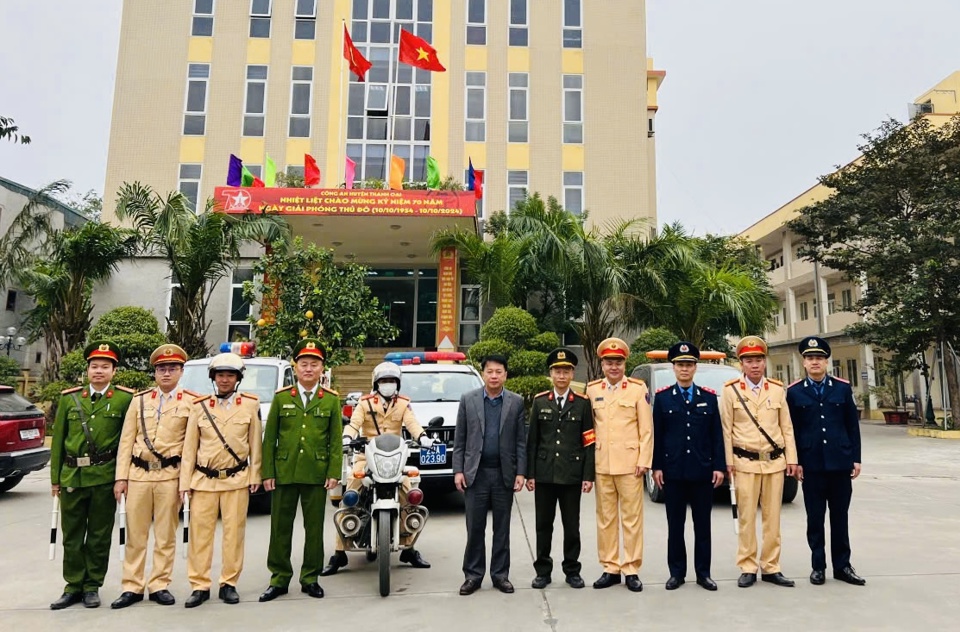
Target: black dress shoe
[
  {"x": 413, "y": 558},
  {"x": 314, "y": 590},
  {"x": 817, "y": 578},
  {"x": 469, "y": 586},
  {"x": 196, "y": 598},
  {"x": 272, "y": 592},
  {"x": 503, "y": 585},
  {"x": 746, "y": 580},
  {"x": 66, "y": 600},
  {"x": 540, "y": 582},
  {"x": 778, "y": 579},
  {"x": 337, "y": 561},
  {"x": 163, "y": 597},
  {"x": 575, "y": 581},
  {"x": 228, "y": 594},
  {"x": 607, "y": 580},
  {"x": 91, "y": 599},
  {"x": 126, "y": 599},
  {"x": 847, "y": 574},
  {"x": 633, "y": 583},
  {"x": 707, "y": 583},
  {"x": 674, "y": 582}
]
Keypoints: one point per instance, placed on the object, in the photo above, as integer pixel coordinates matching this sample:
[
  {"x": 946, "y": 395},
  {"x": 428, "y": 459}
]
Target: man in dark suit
[
  {"x": 489, "y": 464},
  {"x": 688, "y": 462},
  {"x": 827, "y": 427},
  {"x": 560, "y": 466}
]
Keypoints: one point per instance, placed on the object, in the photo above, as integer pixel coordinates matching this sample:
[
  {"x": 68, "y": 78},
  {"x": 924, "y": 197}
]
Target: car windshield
[
  {"x": 259, "y": 379},
  {"x": 439, "y": 386},
  {"x": 714, "y": 377},
  {"x": 11, "y": 402}
]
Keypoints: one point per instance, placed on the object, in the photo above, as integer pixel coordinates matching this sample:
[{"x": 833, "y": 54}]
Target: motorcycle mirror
[{"x": 436, "y": 422}]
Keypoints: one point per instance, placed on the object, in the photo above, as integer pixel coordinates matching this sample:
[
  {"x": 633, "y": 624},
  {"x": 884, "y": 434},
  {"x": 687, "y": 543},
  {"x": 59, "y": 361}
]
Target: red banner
[
  {"x": 346, "y": 202},
  {"x": 447, "y": 300}
]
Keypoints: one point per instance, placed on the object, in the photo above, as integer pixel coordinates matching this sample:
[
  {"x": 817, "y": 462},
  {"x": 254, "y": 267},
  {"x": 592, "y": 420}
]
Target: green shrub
[
  {"x": 73, "y": 368},
  {"x": 523, "y": 363},
  {"x": 49, "y": 392},
  {"x": 655, "y": 338},
  {"x": 9, "y": 371},
  {"x": 528, "y": 386},
  {"x": 511, "y": 324},
  {"x": 546, "y": 342},
  {"x": 135, "y": 330},
  {"x": 480, "y": 350},
  {"x": 137, "y": 380}
]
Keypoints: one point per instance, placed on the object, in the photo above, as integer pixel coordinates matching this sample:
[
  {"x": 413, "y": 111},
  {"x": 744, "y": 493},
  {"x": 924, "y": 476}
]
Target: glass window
[
  {"x": 254, "y": 109},
  {"x": 260, "y": 11},
  {"x": 573, "y": 109},
  {"x": 572, "y": 24},
  {"x": 202, "y": 18},
  {"x": 189, "y": 183},
  {"x": 240, "y": 308},
  {"x": 300, "y": 101},
  {"x": 476, "y": 106},
  {"x": 516, "y": 188},
  {"x": 573, "y": 191},
  {"x": 194, "y": 120},
  {"x": 518, "y": 127},
  {"x": 477, "y": 22},
  {"x": 469, "y": 314}
]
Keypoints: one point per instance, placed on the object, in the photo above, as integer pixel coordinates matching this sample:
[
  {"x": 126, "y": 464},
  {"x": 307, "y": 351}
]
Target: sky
[{"x": 761, "y": 96}]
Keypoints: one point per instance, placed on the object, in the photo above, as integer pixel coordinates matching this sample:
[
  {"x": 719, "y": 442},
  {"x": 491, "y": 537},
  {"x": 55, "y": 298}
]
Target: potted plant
[{"x": 888, "y": 397}]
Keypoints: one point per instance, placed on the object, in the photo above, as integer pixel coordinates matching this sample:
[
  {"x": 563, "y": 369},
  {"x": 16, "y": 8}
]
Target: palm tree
[
  {"x": 10, "y": 131},
  {"x": 493, "y": 264},
  {"x": 201, "y": 249}
]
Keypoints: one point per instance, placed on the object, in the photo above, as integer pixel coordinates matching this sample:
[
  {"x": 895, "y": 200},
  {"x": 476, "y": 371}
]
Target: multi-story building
[{"x": 814, "y": 300}]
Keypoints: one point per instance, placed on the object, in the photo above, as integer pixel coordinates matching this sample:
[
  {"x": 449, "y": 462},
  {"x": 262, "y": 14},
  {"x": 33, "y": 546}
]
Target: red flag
[
  {"x": 257, "y": 182},
  {"x": 311, "y": 172},
  {"x": 359, "y": 65},
  {"x": 417, "y": 52},
  {"x": 478, "y": 183}
]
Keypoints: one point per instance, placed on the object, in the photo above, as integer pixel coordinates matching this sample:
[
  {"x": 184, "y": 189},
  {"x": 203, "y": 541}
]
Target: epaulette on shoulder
[
  {"x": 404, "y": 397},
  {"x": 666, "y": 388},
  {"x": 794, "y": 383},
  {"x": 200, "y": 398},
  {"x": 249, "y": 396},
  {"x": 636, "y": 381},
  {"x": 190, "y": 393},
  {"x": 840, "y": 379},
  {"x": 331, "y": 391},
  {"x": 67, "y": 391},
  {"x": 367, "y": 396},
  {"x": 284, "y": 389},
  {"x": 594, "y": 382},
  {"x": 583, "y": 395},
  {"x": 542, "y": 394},
  {"x": 125, "y": 389},
  {"x": 142, "y": 393},
  {"x": 733, "y": 381},
  {"x": 774, "y": 381},
  {"x": 708, "y": 390}
]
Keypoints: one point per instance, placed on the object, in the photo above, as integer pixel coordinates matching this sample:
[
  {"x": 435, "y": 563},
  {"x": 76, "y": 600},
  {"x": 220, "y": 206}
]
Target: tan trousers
[
  {"x": 356, "y": 484},
  {"x": 767, "y": 489},
  {"x": 204, "y": 508},
  {"x": 620, "y": 507},
  {"x": 157, "y": 503}
]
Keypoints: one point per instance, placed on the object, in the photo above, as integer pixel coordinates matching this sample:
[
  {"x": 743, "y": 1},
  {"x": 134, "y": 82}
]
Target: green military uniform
[
  {"x": 301, "y": 450},
  {"x": 85, "y": 474},
  {"x": 560, "y": 458}
]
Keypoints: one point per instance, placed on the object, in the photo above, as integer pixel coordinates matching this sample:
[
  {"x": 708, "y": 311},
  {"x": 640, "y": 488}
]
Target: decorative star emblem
[
  {"x": 238, "y": 200},
  {"x": 813, "y": 343},
  {"x": 422, "y": 54}
]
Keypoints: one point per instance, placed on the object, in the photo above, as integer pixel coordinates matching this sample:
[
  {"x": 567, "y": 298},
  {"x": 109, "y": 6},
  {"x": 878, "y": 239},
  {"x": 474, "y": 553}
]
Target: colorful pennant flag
[
  {"x": 416, "y": 52},
  {"x": 475, "y": 180},
  {"x": 433, "y": 173},
  {"x": 398, "y": 166},
  {"x": 359, "y": 65},
  {"x": 270, "y": 173},
  {"x": 350, "y": 173},
  {"x": 235, "y": 172},
  {"x": 311, "y": 172}
]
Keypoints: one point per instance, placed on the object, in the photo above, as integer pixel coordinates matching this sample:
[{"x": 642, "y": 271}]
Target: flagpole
[
  {"x": 341, "y": 168},
  {"x": 392, "y": 104}
]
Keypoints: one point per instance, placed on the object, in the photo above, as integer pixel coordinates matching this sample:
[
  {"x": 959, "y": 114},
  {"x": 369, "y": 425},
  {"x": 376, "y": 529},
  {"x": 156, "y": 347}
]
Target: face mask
[{"x": 387, "y": 389}]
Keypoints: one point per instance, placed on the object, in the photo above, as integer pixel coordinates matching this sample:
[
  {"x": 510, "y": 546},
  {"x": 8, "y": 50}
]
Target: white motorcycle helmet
[
  {"x": 226, "y": 362},
  {"x": 386, "y": 371}
]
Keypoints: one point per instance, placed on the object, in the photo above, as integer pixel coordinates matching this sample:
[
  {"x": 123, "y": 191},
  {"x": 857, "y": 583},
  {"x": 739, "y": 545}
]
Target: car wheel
[
  {"x": 9, "y": 483},
  {"x": 790, "y": 486},
  {"x": 260, "y": 503},
  {"x": 654, "y": 492}
]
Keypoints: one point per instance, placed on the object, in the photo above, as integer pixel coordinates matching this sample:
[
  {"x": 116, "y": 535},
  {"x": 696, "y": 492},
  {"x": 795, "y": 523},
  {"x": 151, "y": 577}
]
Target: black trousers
[
  {"x": 488, "y": 493},
  {"x": 820, "y": 490},
  {"x": 546, "y": 497},
  {"x": 698, "y": 495}
]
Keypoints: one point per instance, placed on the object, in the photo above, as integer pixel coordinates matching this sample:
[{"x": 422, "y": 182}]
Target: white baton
[
  {"x": 54, "y": 521},
  {"x": 733, "y": 506},
  {"x": 123, "y": 524},
  {"x": 186, "y": 524}
]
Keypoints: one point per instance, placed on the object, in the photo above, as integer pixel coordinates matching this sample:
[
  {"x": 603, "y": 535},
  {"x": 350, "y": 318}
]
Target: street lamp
[{"x": 9, "y": 342}]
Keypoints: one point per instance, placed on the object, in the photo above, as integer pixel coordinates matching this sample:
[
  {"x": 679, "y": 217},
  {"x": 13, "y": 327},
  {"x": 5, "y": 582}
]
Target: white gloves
[
  {"x": 426, "y": 442},
  {"x": 347, "y": 439}
]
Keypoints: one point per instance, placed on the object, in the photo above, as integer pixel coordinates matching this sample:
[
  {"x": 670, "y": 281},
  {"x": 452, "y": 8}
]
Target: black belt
[
  {"x": 758, "y": 456},
  {"x": 153, "y": 466},
  {"x": 227, "y": 473},
  {"x": 85, "y": 461}
]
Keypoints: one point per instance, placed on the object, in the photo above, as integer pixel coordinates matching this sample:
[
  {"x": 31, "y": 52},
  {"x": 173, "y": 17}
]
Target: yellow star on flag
[{"x": 422, "y": 54}]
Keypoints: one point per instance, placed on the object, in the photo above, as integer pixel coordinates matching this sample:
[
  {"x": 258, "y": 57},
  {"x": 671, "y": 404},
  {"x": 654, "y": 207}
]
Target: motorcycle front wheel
[{"x": 383, "y": 551}]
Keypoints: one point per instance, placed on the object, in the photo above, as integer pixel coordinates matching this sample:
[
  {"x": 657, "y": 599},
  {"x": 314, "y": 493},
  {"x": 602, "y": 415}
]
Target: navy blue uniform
[
  {"x": 688, "y": 448},
  {"x": 827, "y": 428}
]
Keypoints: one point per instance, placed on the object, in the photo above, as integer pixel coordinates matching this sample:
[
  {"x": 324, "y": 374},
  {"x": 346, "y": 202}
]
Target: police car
[
  {"x": 709, "y": 374},
  {"x": 262, "y": 376},
  {"x": 434, "y": 382}
]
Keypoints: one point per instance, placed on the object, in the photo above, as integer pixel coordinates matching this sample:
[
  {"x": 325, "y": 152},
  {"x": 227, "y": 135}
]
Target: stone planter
[{"x": 895, "y": 417}]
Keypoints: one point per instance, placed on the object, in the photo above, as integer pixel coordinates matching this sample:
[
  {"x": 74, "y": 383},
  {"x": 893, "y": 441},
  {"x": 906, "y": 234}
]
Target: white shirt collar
[
  {"x": 751, "y": 384},
  {"x": 562, "y": 395}
]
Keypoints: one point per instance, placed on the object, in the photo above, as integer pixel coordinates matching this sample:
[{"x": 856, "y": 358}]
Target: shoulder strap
[
  {"x": 754, "y": 419},
  {"x": 216, "y": 429},
  {"x": 143, "y": 431},
  {"x": 374, "y": 415},
  {"x": 91, "y": 446}
]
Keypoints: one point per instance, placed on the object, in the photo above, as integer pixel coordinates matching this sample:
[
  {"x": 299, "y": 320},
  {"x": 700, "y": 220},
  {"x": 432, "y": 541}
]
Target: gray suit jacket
[{"x": 468, "y": 439}]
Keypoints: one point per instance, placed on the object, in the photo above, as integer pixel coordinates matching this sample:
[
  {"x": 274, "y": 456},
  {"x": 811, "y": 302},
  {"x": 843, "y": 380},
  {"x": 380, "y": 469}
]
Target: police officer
[
  {"x": 624, "y": 452},
  {"x": 302, "y": 459},
  {"x": 560, "y": 466},
  {"x": 220, "y": 469},
  {"x": 148, "y": 474},
  {"x": 759, "y": 445},
  {"x": 83, "y": 463},
  {"x": 827, "y": 426}
]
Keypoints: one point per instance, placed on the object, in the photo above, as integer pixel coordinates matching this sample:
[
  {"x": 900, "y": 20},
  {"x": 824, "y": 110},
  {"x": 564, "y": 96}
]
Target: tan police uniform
[
  {"x": 624, "y": 441},
  {"x": 370, "y": 419},
  {"x": 757, "y": 476},
  {"x": 206, "y": 472}
]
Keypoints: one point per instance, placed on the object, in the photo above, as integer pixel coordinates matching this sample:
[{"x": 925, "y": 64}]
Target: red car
[{"x": 22, "y": 431}]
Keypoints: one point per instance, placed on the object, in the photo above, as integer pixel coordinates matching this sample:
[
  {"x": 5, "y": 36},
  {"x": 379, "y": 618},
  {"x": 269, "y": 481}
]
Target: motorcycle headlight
[{"x": 387, "y": 466}]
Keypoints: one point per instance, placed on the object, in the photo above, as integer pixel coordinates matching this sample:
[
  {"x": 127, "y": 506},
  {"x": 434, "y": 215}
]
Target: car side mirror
[{"x": 436, "y": 422}]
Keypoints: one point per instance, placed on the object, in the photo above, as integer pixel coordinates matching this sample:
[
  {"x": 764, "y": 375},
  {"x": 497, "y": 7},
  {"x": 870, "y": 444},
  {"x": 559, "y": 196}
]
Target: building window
[
  {"x": 846, "y": 299},
  {"x": 776, "y": 320},
  {"x": 469, "y": 314},
  {"x": 572, "y": 24},
  {"x": 880, "y": 371},
  {"x": 260, "y": 11},
  {"x": 804, "y": 314},
  {"x": 306, "y": 25},
  {"x": 519, "y": 107},
  {"x": 189, "y": 183},
  {"x": 816, "y": 309},
  {"x": 573, "y": 191},
  {"x": 300, "y": 99},
  {"x": 517, "y": 182},
  {"x": 650, "y": 129},
  {"x": 195, "y": 111},
  {"x": 172, "y": 314},
  {"x": 778, "y": 373},
  {"x": 837, "y": 369},
  {"x": 519, "y": 23},
  {"x": 853, "y": 373},
  {"x": 477, "y": 22},
  {"x": 831, "y": 303},
  {"x": 11, "y": 300},
  {"x": 255, "y": 106},
  {"x": 202, "y": 18},
  {"x": 573, "y": 109},
  {"x": 240, "y": 308},
  {"x": 476, "y": 106}
]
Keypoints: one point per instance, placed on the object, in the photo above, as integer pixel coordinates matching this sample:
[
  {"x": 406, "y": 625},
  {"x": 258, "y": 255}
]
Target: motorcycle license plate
[{"x": 437, "y": 456}]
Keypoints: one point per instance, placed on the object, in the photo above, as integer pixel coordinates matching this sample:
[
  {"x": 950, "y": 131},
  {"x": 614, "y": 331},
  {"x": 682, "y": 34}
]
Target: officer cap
[
  {"x": 309, "y": 348},
  {"x": 683, "y": 352},
  {"x": 613, "y": 348},
  {"x": 168, "y": 354},
  {"x": 102, "y": 350},
  {"x": 561, "y": 356},
  {"x": 751, "y": 346},
  {"x": 814, "y": 346}
]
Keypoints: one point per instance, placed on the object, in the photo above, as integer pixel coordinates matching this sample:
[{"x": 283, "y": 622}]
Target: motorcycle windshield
[{"x": 387, "y": 442}]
